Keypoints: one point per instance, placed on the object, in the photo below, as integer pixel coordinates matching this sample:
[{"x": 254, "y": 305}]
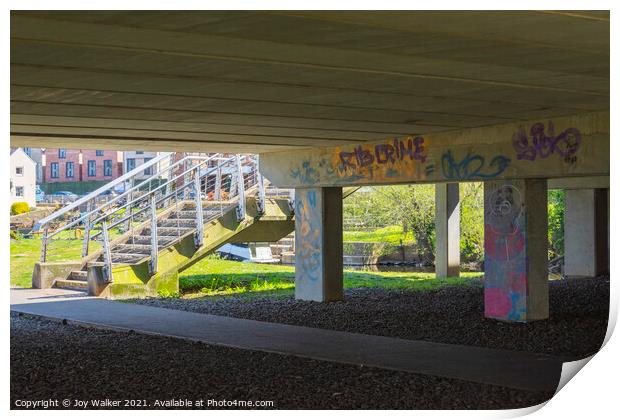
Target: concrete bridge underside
[{"x": 519, "y": 100}]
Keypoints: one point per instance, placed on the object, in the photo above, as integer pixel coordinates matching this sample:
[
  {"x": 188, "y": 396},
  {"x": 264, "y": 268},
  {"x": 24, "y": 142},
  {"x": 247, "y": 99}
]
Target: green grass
[
  {"x": 26, "y": 252},
  {"x": 214, "y": 276},
  {"x": 389, "y": 234}
]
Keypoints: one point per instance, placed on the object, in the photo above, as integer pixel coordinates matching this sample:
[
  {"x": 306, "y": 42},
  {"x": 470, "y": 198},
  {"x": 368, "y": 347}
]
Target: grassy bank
[
  {"x": 215, "y": 276},
  {"x": 390, "y": 234},
  {"x": 228, "y": 277}
]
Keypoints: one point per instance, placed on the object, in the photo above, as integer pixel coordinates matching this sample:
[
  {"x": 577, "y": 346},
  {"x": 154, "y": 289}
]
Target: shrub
[{"x": 19, "y": 208}]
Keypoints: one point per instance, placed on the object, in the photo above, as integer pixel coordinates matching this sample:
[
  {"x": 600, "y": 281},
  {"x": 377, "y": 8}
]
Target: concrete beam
[
  {"x": 561, "y": 147},
  {"x": 515, "y": 250},
  {"x": 577, "y": 183},
  {"x": 318, "y": 244},
  {"x": 586, "y": 233},
  {"x": 447, "y": 229}
]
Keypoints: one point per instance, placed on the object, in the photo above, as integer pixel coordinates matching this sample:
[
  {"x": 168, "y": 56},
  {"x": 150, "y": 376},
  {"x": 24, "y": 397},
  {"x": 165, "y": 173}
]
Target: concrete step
[
  {"x": 77, "y": 275},
  {"x": 168, "y": 231},
  {"x": 127, "y": 258},
  {"x": 81, "y": 285},
  {"x": 174, "y": 222},
  {"x": 132, "y": 248},
  {"x": 146, "y": 240}
]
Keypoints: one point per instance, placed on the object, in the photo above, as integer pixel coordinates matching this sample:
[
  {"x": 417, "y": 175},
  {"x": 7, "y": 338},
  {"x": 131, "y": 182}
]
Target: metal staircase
[{"x": 183, "y": 195}]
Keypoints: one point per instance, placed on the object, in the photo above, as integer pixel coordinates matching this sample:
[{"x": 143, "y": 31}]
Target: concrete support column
[
  {"x": 586, "y": 221},
  {"x": 318, "y": 244},
  {"x": 448, "y": 230},
  {"x": 515, "y": 250}
]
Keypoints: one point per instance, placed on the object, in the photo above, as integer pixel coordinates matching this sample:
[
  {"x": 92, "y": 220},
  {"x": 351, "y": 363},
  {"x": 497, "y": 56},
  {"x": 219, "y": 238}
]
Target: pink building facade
[
  {"x": 70, "y": 165},
  {"x": 101, "y": 165},
  {"x": 61, "y": 165}
]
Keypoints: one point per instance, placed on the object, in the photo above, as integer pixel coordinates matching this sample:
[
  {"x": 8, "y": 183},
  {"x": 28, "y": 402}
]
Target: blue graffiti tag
[
  {"x": 306, "y": 174},
  {"x": 472, "y": 166}
]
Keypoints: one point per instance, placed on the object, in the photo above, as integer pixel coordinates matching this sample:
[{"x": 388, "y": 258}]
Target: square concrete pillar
[
  {"x": 318, "y": 244},
  {"x": 515, "y": 250},
  {"x": 586, "y": 240},
  {"x": 447, "y": 230}
]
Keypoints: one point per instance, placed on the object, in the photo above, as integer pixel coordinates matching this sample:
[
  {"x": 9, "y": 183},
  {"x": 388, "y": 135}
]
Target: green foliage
[
  {"x": 389, "y": 234},
  {"x": 556, "y": 209},
  {"x": 410, "y": 207},
  {"x": 472, "y": 222},
  {"x": 19, "y": 207},
  {"x": 15, "y": 234}
]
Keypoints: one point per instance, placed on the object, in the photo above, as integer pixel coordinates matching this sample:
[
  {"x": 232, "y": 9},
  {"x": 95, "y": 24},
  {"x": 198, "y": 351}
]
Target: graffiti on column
[
  {"x": 308, "y": 247},
  {"x": 505, "y": 291},
  {"x": 472, "y": 166},
  {"x": 542, "y": 145}
]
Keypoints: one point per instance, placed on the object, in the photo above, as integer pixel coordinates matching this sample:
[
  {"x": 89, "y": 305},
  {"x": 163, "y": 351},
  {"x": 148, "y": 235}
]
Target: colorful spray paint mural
[
  {"x": 556, "y": 148},
  {"x": 308, "y": 238},
  {"x": 505, "y": 258}
]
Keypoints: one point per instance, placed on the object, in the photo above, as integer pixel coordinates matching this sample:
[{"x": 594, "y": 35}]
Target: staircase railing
[{"x": 215, "y": 181}]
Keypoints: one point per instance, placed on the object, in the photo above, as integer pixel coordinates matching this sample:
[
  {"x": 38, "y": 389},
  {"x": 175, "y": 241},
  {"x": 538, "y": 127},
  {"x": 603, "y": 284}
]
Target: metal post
[
  {"x": 86, "y": 222},
  {"x": 291, "y": 200},
  {"x": 107, "y": 256},
  {"x": 199, "y": 217},
  {"x": 260, "y": 204},
  {"x": 154, "y": 241},
  {"x": 44, "y": 245},
  {"x": 218, "y": 183},
  {"x": 240, "y": 191}
]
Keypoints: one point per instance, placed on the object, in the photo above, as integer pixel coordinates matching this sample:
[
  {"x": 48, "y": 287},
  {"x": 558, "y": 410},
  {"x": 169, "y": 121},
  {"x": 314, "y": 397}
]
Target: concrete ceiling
[{"x": 264, "y": 81}]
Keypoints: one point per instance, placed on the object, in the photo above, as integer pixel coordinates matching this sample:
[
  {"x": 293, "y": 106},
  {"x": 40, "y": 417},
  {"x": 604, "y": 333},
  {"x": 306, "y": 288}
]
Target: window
[
  {"x": 98, "y": 152},
  {"x": 62, "y": 153},
  {"x": 92, "y": 168},
  {"x": 107, "y": 168},
  {"x": 69, "y": 169},
  {"x": 28, "y": 151},
  {"x": 19, "y": 171},
  {"x": 19, "y": 191},
  {"x": 131, "y": 164},
  {"x": 148, "y": 171},
  {"x": 139, "y": 152},
  {"x": 54, "y": 170}
]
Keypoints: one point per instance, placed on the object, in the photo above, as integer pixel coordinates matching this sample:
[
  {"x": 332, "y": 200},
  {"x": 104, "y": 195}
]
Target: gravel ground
[
  {"x": 50, "y": 360},
  {"x": 575, "y": 329}
]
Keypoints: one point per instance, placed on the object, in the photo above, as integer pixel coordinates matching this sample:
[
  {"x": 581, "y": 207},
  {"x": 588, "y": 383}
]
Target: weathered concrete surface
[
  {"x": 318, "y": 244},
  {"x": 447, "y": 230},
  {"x": 515, "y": 250},
  {"x": 195, "y": 81},
  {"x": 560, "y": 147},
  {"x": 586, "y": 230},
  {"x": 484, "y": 365},
  {"x": 46, "y": 273}
]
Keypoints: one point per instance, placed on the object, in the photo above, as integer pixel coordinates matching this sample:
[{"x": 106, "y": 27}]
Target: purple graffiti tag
[
  {"x": 384, "y": 153},
  {"x": 364, "y": 157},
  {"x": 346, "y": 160},
  {"x": 565, "y": 144}
]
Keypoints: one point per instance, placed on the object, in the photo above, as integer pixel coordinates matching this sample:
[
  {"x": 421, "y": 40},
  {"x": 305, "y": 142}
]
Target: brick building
[{"x": 71, "y": 165}]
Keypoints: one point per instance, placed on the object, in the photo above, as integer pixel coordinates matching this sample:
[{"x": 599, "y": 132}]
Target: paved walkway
[{"x": 490, "y": 366}]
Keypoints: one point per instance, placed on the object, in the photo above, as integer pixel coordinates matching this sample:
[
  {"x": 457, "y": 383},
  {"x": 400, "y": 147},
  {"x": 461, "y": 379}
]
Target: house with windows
[
  {"x": 101, "y": 165},
  {"x": 36, "y": 154},
  {"x": 61, "y": 165},
  {"x": 23, "y": 177},
  {"x": 137, "y": 158},
  {"x": 79, "y": 171}
]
